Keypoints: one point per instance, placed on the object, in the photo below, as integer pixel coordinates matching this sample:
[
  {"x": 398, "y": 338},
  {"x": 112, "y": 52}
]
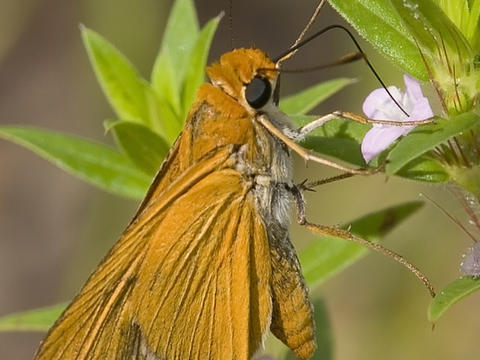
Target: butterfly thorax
[{"x": 221, "y": 116}]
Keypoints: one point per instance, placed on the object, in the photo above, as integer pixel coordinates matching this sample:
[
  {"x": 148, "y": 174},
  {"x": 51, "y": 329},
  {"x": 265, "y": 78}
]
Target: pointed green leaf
[
  {"x": 32, "y": 320},
  {"x": 121, "y": 83},
  {"x": 306, "y": 100},
  {"x": 379, "y": 23},
  {"x": 163, "y": 121},
  {"x": 145, "y": 148},
  {"x": 166, "y": 86},
  {"x": 424, "y": 169},
  {"x": 464, "y": 14},
  {"x": 452, "y": 293},
  {"x": 426, "y": 137},
  {"x": 431, "y": 28},
  {"x": 343, "y": 149},
  {"x": 195, "y": 75},
  {"x": 473, "y": 27},
  {"x": 171, "y": 65},
  {"x": 93, "y": 162},
  {"x": 329, "y": 255},
  {"x": 178, "y": 40}
]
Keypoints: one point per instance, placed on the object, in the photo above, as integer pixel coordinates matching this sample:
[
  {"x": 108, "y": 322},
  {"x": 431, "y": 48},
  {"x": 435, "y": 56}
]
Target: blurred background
[{"x": 54, "y": 228}]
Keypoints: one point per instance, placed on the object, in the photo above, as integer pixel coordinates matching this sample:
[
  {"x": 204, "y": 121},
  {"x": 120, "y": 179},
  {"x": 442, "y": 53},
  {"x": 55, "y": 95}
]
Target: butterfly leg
[
  {"x": 303, "y": 131},
  {"x": 347, "y": 235},
  {"x": 288, "y": 138}
]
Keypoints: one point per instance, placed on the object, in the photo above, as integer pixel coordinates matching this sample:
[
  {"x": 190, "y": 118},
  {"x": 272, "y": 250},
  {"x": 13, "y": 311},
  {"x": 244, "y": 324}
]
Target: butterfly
[{"x": 206, "y": 268}]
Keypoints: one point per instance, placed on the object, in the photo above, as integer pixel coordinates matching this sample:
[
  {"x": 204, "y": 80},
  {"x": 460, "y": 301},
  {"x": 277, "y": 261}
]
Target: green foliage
[
  {"x": 428, "y": 24},
  {"x": 424, "y": 168},
  {"x": 445, "y": 49},
  {"x": 465, "y": 14},
  {"x": 144, "y": 147},
  {"x": 150, "y": 116},
  {"x": 96, "y": 163},
  {"x": 452, "y": 293},
  {"x": 178, "y": 40},
  {"x": 119, "y": 80},
  {"x": 196, "y": 66},
  {"x": 32, "y": 320}
]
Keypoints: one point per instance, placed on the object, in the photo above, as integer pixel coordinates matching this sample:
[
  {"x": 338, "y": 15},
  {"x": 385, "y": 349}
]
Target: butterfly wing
[{"x": 189, "y": 279}]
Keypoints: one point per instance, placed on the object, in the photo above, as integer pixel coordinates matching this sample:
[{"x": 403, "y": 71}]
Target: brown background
[{"x": 54, "y": 228}]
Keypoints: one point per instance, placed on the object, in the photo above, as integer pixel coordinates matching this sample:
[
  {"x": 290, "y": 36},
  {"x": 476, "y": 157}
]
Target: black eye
[{"x": 258, "y": 92}]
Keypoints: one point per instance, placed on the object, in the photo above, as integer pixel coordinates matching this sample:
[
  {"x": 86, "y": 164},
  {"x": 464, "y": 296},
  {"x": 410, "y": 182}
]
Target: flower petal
[
  {"x": 421, "y": 110},
  {"x": 412, "y": 87},
  {"x": 379, "y": 137},
  {"x": 377, "y": 99},
  {"x": 380, "y": 106}
]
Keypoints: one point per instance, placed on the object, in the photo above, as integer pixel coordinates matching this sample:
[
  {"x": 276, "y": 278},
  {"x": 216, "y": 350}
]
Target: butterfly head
[{"x": 247, "y": 75}]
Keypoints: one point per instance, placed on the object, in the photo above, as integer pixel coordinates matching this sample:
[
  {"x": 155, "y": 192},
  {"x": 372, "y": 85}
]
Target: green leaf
[
  {"x": 121, "y": 83},
  {"x": 32, "y": 320},
  {"x": 473, "y": 27},
  {"x": 164, "y": 121},
  {"x": 343, "y": 149},
  {"x": 452, "y": 293},
  {"x": 172, "y": 62},
  {"x": 145, "y": 148},
  {"x": 424, "y": 169},
  {"x": 426, "y": 137},
  {"x": 431, "y": 28},
  {"x": 178, "y": 40},
  {"x": 464, "y": 14},
  {"x": 379, "y": 23},
  {"x": 167, "y": 89},
  {"x": 328, "y": 255},
  {"x": 93, "y": 162},
  {"x": 306, "y": 100},
  {"x": 323, "y": 333},
  {"x": 195, "y": 75}
]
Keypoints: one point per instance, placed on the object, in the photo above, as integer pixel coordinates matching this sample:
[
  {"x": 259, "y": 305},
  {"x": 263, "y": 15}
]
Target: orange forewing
[{"x": 188, "y": 281}]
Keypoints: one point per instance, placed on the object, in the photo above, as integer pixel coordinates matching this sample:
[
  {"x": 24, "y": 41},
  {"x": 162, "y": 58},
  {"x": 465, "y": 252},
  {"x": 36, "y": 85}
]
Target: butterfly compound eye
[{"x": 257, "y": 92}]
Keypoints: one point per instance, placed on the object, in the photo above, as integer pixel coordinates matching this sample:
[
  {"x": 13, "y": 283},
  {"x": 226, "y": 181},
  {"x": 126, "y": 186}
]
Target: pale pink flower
[{"x": 379, "y": 106}]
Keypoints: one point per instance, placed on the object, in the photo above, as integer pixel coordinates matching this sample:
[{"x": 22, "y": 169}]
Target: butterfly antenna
[
  {"x": 293, "y": 49},
  {"x": 230, "y": 23},
  {"x": 303, "y": 33}
]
